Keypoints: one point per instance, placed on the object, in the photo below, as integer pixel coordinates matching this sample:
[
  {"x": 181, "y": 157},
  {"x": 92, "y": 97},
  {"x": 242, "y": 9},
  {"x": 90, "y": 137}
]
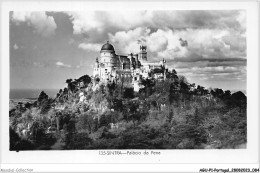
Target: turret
[
  {"x": 107, "y": 60},
  {"x": 143, "y": 53}
]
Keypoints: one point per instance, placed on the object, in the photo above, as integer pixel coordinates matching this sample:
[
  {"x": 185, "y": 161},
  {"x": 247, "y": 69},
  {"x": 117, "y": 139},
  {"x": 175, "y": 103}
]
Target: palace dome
[{"x": 108, "y": 47}]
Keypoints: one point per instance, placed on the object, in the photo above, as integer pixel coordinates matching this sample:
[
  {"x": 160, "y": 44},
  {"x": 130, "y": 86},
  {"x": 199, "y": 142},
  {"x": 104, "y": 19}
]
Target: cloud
[
  {"x": 61, "y": 64},
  {"x": 165, "y": 43},
  {"x": 241, "y": 18},
  {"x": 207, "y": 33},
  {"x": 157, "y": 41},
  {"x": 41, "y": 64},
  {"x": 212, "y": 73},
  {"x": 205, "y": 44},
  {"x": 237, "y": 43},
  {"x": 129, "y": 41},
  {"x": 102, "y": 21},
  {"x": 15, "y": 47},
  {"x": 184, "y": 43},
  {"x": 220, "y": 73},
  {"x": 90, "y": 47},
  {"x": 42, "y": 23}
]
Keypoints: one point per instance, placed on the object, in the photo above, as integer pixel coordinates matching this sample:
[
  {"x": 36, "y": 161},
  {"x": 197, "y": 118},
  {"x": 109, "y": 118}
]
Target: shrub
[{"x": 79, "y": 141}]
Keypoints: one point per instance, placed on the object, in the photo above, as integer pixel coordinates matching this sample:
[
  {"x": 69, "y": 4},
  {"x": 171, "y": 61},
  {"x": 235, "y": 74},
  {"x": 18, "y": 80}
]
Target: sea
[{"x": 31, "y": 93}]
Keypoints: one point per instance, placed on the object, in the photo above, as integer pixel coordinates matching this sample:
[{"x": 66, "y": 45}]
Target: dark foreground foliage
[{"x": 165, "y": 114}]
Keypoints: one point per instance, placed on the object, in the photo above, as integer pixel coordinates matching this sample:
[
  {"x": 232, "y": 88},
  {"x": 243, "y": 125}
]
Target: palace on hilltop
[{"x": 129, "y": 69}]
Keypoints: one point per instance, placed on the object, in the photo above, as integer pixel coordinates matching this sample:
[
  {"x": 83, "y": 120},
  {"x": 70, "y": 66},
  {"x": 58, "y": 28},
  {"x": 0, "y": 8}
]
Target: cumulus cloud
[
  {"x": 129, "y": 41},
  {"x": 157, "y": 41},
  {"x": 203, "y": 44},
  {"x": 108, "y": 21},
  {"x": 61, "y": 64},
  {"x": 208, "y": 34},
  {"x": 43, "y": 24},
  {"x": 166, "y": 43},
  {"x": 101, "y": 21}
]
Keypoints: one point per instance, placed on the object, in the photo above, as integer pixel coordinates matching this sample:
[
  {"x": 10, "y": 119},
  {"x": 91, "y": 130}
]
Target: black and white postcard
[{"x": 130, "y": 82}]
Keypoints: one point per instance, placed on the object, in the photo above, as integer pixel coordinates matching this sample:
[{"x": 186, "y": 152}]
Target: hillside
[{"x": 164, "y": 114}]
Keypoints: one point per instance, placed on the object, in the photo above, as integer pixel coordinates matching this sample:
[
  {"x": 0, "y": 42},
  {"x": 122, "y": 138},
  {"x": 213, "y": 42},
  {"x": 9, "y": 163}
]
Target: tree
[
  {"x": 72, "y": 85},
  {"x": 79, "y": 141},
  {"x": 217, "y": 92},
  {"x": 38, "y": 132},
  {"x": 14, "y": 138},
  {"x": 68, "y": 81},
  {"x": 70, "y": 130},
  {"x": 148, "y": 85},
  {"x": 170, "y": 116},
  {"x": 226, "y": 97},
  {"x": 86, "y": 122},
  {"x": 121, "y": 83},
  {"x": 85, "y": 79},
  {"x": 43, "y": 102},
  {"x": 172, "y": 75},
  {"x": 28, "y": 105},
  {"x": 201, "y": 90},
  {"x": 42, "y": 97},
  {"x": 45, "y": 106},
  {"x": 111, "y": 88},
  {"x": 184, "y": 87},
  {"x": 238, "y": 99},
  {"x": 171, "y": 94},
  {"x": 129, "y": 93},
  {"x": 118, "y": 104},
  {"x": 103, "y": 121}
]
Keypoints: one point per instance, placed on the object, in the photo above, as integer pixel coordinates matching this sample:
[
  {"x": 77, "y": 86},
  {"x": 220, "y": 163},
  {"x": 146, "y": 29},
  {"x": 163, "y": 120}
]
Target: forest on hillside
[{"x": 164, "y": 114}]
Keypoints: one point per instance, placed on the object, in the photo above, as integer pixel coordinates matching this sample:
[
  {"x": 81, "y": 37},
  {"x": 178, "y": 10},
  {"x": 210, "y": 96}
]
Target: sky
[{"x": 207, "y": 47}]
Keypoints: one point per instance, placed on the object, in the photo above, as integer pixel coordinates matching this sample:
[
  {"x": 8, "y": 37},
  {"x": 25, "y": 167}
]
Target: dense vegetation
[{"x": 165, "y": 114}]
